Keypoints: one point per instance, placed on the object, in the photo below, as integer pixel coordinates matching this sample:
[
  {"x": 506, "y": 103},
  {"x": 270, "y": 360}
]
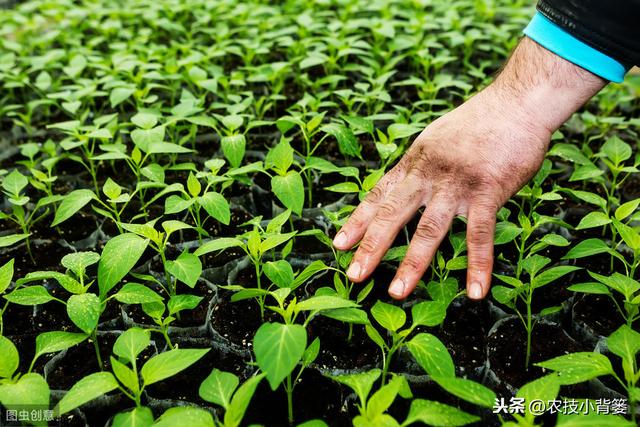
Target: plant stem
[
  {"x": 94, "y": 338},
  {"x": 289, "y": 389},
  {"x": 529, "y": 328}
]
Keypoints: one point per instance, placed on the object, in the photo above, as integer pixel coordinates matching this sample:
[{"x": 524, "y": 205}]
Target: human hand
[{"x": 469, "y": 162}]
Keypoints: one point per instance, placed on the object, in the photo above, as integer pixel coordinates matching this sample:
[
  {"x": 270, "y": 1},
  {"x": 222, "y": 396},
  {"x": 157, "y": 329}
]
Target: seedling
[{"x": 127, "y": 377}]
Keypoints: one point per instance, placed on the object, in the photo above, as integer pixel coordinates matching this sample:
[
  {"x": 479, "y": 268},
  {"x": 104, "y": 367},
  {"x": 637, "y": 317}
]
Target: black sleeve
[{"x": 610, "y": 26}]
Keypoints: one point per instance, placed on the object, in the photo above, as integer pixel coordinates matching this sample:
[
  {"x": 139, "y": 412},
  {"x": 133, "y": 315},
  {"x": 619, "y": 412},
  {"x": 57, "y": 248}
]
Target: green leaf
[
  {"x": 14, "y": 183},
  {"x": 432, "y": 355},
  {"x": 88, "y": 388},
  {"x": 545, "y": 389},
  {"x": 323, "y": 303},
  {"x": 506, "y": 232},
  {"x": 84, "y": 310},
  {"x": 52, "y": 342},
  {"x": 344, "y": 187},
  {"x": 626, "y": 209},
  {"x": 468, "y": 390},
  {"x": 274, "y": 241},
  {"x": 575, "y": 368},
  {"x": 551, "y": 274},
  {"x": 437, "y": 414},
  {"x": 119, "y": 95},
  {"x": 278, "y": 349},
  {"x": 12, "y": 239},
  {"x": 625, "y": 342},
  {"x": 280, "y": 273},
  {"x": 182, "y": 302},
  {"x": 348, "y": 315},
  {"x": 79, "y": 261},
  {"x": 590, "y": 288},
  {"x": 428, "y": 313},
  {"x": 187, "y": 268},
  {"x": 10, "y": 358},
  {"x": 135, "y": 293},
  {"x": 145, "y": 138},
  {"x": 616, "y": 150},
  {"x": 308, "y": 272},
  {"x": 629, "y": 234},
  {"x": 402, "y": 130},
  {"x": 30, "y": 390},
  {"x": 593, "y": 219},
  {"x": 588, "y": 197},
  {"x": 131, "y": 343},
  {"x": 185, "y": 416},
  {"x": 32, "y": 295},
  {"x": 382, "y": 399},
  {"x": 216, "y": 206},
  {"x": 347, "y": 142},
  {"x": 218, "y": 388},
  {"x": 218, "y": 245},
  {"x": 71, "y": 204},
  {"x": 169, "y": 363},
  {"x": 280, "y": 157},
  {"x": 233, "y": 148},
  {"x": 140, "y": 416},
  {"x": 118, "y": 257},
  {"x": 241, "y": 398},
  {"x": 587, "y": 248},
  {"x": 289, "y": 189},
  {"x": 569, "y": 152},
  {"x": 388, "y": 316},
  {"x": 144, "y": 120},
  {"x": 361, "y": 383}
]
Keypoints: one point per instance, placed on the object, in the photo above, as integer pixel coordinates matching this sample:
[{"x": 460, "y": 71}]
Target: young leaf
[
  {"x": 79, "y": 261},
  {"x": 84, "y": 311},
  {"x": 187, "y": 268},
  {"x": 428, "y": 313},
  {"x": 347, "y": 142},
  {"x": 131, "y": 343},
  {"x": 240, "y": 401},
  {"x": 437, "y": 414},
  {"x": 86, "y": 389},
  {"x": 280, "y": 273},
  {"x": 218, "y": 245},
  {"x": 218, "y": 388},
  {"x": 468, "y": 390},
  {"x": 185, "y": 416},
  {"x": 32, "y": 295},
  {"x": 119, "y": 256},
  {"x": 388, "y": 316},
  {"x": 140, "y": 416},
  {"x": 10, "y": 358},
  {"x": 575, "y": 368},
  {"x": 135, "y": 293},
  {"x": 182, "y": 302},
  {"x": 587, "y": 248},
  {"x": 289, "y": 189},
  {"x": 30, "y": 390},
  {"x": 71, "y": 204},
  {"x": 169, "y": 363},
  {"x": 432, "y": 355},
  {"x": 361, "y": 383},
  {"x": 319, "y": 303},
  {"x": 52, "y": 342},
  {"x": 216, "y": 206},
  {"x": 233, "y": 147},
  {"x": 278, "y": 349}
]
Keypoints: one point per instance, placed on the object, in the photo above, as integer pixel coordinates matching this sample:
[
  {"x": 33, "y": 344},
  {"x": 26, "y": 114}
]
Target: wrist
[{"x": 543, "y": 88}]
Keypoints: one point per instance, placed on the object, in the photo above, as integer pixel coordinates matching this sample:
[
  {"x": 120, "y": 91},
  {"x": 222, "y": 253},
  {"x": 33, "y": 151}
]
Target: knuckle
[
  {"x": 481, "y": 235},
  {"x": 386, "y": 212},
  {"x": 369, "y": 245},
  {"x": 480, "y": 261},
  {"x": 429, "y": 228},
  {"x": 412, "y": 264}
]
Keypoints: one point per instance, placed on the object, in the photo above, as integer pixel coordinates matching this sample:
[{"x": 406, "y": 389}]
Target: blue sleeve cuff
[{"x": 560, "y": 42}]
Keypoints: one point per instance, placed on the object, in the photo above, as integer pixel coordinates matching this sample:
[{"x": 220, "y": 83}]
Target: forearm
[{"x": 543, "y": 86}]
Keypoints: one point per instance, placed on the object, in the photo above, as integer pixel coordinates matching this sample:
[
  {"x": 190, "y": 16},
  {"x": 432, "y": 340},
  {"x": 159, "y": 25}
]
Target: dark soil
[
  {"x": 315, "y": 397},
  {"x": 598, "y": 313},
  {"x": 506, "y": 348}
]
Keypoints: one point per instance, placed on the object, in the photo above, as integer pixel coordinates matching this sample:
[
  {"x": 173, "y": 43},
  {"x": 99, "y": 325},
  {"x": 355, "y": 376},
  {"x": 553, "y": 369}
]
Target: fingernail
[
  {"x": 475, "y": 290},
  {"x": 340, "y": 240},
  {"x": 354, "y": 270},
  {"x": 396, "y": 289}
]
